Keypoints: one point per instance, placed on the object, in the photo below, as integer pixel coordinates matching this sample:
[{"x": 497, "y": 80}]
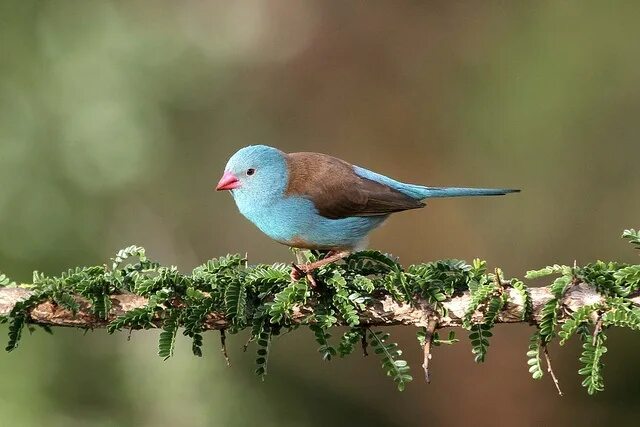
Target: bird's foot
[{"x": 300, "y": 271}]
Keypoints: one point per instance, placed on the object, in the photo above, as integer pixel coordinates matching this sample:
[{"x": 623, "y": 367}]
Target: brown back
[{"x": 338, "y": 192}]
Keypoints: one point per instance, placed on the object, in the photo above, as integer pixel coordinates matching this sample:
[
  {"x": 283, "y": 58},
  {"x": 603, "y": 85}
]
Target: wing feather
[{"x": 338, "y": 192}]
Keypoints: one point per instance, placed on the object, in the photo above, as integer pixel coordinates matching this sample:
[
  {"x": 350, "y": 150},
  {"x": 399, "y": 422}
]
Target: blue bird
[{"x": 316, "y": 201}]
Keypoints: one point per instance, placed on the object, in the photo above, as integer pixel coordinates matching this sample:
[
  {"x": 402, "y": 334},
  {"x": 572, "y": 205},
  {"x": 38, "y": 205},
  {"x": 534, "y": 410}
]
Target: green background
[{"x": 116, "y": 120}]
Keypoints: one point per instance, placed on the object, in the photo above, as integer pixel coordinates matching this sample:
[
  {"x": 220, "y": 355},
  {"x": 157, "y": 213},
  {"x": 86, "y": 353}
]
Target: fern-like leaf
[
  {"x": 286, "y": 299},
  {"x": 533, "y": 356},
  {"x": 18, "y": 318},
  {"x": 138, "y": 318},
  {"x": 67, "y": 301},
  {"x": 547, "y": 271},
  {"x": 632, "y": 236},
  {"x": 262, "y": 354},
  {"x": 480, "y": 296},
  {"x": 345, "y": 304},
  {"x": 126, "y": 253},
  {"x": 235, "y": 299},
  {"x": 5, "y": 281},
  {"x": 479, "y": 337},
  {"x": 592, "y": 352},
  {"x": 525, "y": 295},
  {"x": 349, "y": 341},
  {"x": 494, "y": 307},
  {"x": 621, "y": 312},
  {"x": 193, "y": 319},
  {"x": 16, "y": 325},
  {"x": 322, "y": 338},
  {"x": 390, "y": 355},
  {"x": 167, "y": 341},
  {"x": 571, "y": 325}
]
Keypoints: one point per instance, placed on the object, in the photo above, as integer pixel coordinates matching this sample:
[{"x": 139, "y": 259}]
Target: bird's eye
[{"x": 251, "y": 171}]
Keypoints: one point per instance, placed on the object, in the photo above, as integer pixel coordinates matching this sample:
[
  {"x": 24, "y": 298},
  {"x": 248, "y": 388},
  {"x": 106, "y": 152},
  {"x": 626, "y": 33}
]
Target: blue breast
[{"x": 295, "y": 221}]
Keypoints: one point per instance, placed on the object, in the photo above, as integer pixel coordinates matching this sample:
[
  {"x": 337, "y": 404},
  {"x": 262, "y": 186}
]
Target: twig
[
  {"x": 428, "y": 340},
  {"x": 498, "y": 279},
  {"x": 596, "y": 330},
  {"x": 550, "y": 370},
  {"x": 246, "y": 344},
  {"x": 364, "y": 343},
  {"x": 223, "y": 346}
]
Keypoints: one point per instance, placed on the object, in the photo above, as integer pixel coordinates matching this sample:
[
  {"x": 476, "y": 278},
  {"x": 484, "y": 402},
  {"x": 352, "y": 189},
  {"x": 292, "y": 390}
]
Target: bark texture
[{"x": 384, "y": 311}]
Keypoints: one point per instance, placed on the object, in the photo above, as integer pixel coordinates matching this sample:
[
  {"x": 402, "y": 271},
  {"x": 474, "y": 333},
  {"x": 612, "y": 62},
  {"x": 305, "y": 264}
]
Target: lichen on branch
[{"x": 367, "y": 290}]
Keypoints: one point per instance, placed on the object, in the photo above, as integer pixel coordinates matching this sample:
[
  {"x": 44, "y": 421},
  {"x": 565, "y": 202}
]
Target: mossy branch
[
  {"x": 383, "y": 311},
  {"x": 365, "y": 291}
]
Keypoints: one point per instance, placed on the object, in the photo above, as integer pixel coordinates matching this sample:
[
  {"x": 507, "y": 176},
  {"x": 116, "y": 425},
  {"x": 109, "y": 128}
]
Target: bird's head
[{"x": 255, "y": 172}]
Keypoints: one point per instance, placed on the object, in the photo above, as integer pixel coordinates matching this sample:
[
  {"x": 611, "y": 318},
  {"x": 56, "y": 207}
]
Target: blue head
[{"x": 256, "y": 175}]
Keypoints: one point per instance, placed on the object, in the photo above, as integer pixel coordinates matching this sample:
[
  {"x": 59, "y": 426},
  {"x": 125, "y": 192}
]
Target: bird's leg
[
  {"x": 331, "y": 257},
  {"x": 299, "y": 256},
  {"x": 299, "y": 270}
]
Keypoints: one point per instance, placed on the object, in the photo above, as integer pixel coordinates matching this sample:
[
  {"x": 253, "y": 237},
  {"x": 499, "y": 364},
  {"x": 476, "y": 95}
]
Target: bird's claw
[
  {"x": 297, "y": 272},
  {"x": 300, "y": 271}
]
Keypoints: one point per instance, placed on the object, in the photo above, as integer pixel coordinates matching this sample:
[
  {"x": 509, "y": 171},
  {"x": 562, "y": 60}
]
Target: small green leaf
[{"x": 390, "y": 356}]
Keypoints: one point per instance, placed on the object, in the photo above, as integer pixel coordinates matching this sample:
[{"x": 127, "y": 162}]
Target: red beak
[{"x": 228, "y": 182}]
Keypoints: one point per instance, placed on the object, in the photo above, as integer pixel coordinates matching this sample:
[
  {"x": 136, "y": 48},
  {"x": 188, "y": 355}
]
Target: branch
[
  {"x": 364, "y": 291},
  {"x": 382, "y": 312}
]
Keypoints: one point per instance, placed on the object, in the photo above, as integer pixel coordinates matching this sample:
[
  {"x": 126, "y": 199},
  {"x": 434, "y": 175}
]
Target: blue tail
[
  {"x": 420, "y": 192},
  {"x": 431, "y": 192}
]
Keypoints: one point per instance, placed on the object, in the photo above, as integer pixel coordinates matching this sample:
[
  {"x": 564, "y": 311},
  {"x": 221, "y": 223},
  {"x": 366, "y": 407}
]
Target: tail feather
[
  {"x": 420, "y": 192},
  {"x": 432, "y": 192}
]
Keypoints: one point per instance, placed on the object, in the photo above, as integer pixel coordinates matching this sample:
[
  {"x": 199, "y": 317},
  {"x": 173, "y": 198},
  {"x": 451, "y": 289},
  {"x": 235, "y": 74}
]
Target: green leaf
[
  {"x": 137, "y": 318},
  {"x": 293, "y": 294},
  {"x": 346, "y": 305},
  {"x": 561, "y": 284},
  {"x": 262, "y": 354},
  {"x": 481, "y": 295},
  {"x": 525, "y": 296},
  {"x": 494, "y": 307},
  {"x": 533, "y": 356},
  {"x": 571, "y": 325},
  {"x": 235, "y": 299},
  {"x": 591, "y": 359},
  {"x": 16, "y": 325},
  {"x": 193, "y": 318},
  {"x": 547, "y": 271},
  {"x": 363, "y": 284},
  {"x": 548, "y": 320},
  {"x": 322, "y": 337},
  {"x": 265, "y": 275},
  {"x": 371, "y": 262},
  {"x": 632, "y": 236},
  {"x": 18, "y": 318},
  {"x": 349, "y": 340},
  {"x": 5, "y": 281},
  {"x": 479, "y": 336},
  {"x": 621, "y": 312},
  {"x": 389, "y": 353},
  {"x": 126, "y": 253},
  {"x": 167, "y": 340}
]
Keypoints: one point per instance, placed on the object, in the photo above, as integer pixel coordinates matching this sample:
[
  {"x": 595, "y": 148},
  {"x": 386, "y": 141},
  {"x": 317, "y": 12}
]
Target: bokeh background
[{"x": 116, "y": 120}]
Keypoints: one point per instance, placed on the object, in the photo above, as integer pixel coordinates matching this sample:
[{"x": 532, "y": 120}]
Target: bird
[{"x": 315, "y": 201}]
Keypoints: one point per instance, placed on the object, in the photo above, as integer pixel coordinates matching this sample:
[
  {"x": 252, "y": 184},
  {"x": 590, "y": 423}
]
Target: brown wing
[{"x": 338, "y": 192}]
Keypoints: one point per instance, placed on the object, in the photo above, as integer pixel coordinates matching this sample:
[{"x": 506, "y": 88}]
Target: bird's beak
[{"x": 228, "y": 182}]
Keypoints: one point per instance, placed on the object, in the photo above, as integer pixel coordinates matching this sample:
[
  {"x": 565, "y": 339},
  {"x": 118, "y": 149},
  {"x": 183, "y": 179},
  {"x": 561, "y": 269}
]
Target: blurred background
[{"x": 117, "y": 118}]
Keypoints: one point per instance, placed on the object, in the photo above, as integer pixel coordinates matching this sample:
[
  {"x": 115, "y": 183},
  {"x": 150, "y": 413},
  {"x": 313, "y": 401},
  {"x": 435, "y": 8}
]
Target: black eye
[{"x": 251, "y": 171}]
